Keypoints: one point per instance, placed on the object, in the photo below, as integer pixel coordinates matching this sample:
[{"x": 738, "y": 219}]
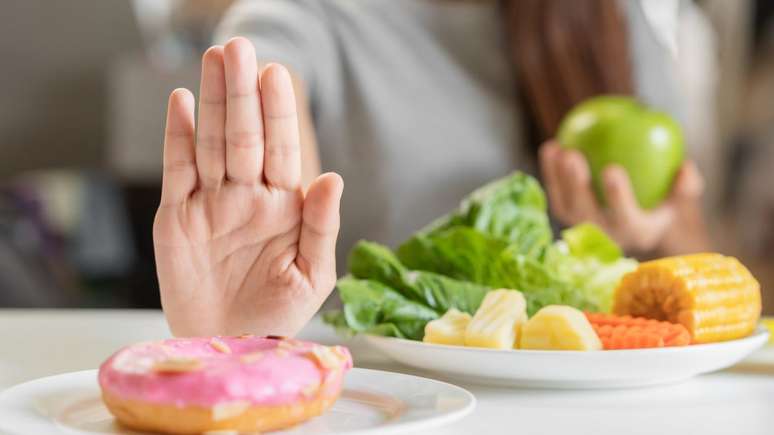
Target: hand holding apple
[
  {"x": 647, "y": 198},
  {"x": 673, "y": 227}
]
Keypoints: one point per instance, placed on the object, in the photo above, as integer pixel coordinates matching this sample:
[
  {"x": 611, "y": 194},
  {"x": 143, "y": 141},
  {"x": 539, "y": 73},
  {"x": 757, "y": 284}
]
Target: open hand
[
  {"x": 239, "y": 246},
  {"x": 674, "y": 227}
]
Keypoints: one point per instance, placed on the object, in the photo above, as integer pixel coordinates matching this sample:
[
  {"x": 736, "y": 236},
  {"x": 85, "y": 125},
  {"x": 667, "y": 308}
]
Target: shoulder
[
  {"x": 311, "y": 20},
  {"x": 293, "y": 13},
  {"x": 243, "y": 9},
  {"x": 337, "y": 12}
]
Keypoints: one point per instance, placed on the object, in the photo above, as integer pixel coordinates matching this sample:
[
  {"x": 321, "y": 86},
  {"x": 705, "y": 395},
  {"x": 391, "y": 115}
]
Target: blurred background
[{"x": 84, "y": 85}]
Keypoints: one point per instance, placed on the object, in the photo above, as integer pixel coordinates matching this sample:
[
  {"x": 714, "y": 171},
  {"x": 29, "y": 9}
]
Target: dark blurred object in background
[
  {"x": 64, "y": 241},
  {"x": 29, "y": 255}
]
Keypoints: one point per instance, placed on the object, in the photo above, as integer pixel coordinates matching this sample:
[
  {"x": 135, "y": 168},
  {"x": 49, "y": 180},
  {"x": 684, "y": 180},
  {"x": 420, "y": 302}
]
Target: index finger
[
  {"x": 549, "y": 161},
  {"x": 179, "y": 172}
]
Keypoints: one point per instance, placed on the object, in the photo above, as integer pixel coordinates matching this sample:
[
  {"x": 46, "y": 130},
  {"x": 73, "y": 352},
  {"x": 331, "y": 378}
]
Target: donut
[{"x": 243, "y": 384}]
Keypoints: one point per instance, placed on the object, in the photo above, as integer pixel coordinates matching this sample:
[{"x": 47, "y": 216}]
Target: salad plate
[
  {"x": 568, "y": 369},
  {"x": 373, "y": 402}
]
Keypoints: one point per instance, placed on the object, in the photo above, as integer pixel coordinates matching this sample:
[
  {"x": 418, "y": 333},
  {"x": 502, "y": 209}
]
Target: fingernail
[
  {"x": 566, "y": 159},
  {"x": 279, "y": 76},
  {"x": 609, "y": 177}
]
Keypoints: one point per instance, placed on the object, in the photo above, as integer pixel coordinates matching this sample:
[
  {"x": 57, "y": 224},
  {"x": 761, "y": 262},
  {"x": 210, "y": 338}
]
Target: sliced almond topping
[
  {"x": 223, "y": 411},
  {"x": 219, "y": 345},
  {"x": 282, "y": 353},
  {"x": 286, "y": 344},
  {"x": 310, "y": 390},
  {"x": 325, "y": 357},
  {"x": 339, "y": 351},
  {"x": 244, "y": 336},
  {"x": 177, "y": 365},
  {"x": 251, "y": 357},
  {"x": 166, "y": 348}
]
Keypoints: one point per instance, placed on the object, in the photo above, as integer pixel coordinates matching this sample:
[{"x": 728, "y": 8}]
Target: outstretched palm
[{"x": 239, "y": 247}]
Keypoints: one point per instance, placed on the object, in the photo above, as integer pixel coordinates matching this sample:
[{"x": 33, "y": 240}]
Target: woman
[{"x": 415, "y": 103}]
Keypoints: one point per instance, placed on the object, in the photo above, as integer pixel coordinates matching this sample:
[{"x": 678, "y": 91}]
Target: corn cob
[
  {"x": 449, "y": 329},
  {"x": 626, "y": 332},
  {"x": 713, "y": 296},
  {"x": 497, "y": 321},
  {"x": 768, "y": 323}
]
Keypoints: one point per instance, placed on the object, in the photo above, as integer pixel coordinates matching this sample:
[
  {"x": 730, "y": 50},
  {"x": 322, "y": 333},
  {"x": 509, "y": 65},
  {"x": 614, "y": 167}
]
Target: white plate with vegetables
[
  {"x": 568, "y": 369},
  {"x": 562, "y": 347},
  {"x": 544, "y": 327}
]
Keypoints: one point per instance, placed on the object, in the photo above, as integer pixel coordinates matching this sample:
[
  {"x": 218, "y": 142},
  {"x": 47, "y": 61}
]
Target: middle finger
[
  {"x": 210, "y": 137},
  {"x": 244, "y": 121}
]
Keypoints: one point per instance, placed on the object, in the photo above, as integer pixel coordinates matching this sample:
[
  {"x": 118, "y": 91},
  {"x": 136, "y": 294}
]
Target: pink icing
[{"x": 282, "y": 374}]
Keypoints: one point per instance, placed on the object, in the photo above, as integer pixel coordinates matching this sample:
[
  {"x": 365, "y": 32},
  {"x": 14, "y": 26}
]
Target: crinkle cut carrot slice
[{"x": 626, "y": 332}]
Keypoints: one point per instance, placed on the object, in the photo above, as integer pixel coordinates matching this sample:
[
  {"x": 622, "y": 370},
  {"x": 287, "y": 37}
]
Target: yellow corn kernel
[
  {"x": 496, "y": 323},
  {"x": 559, "y": 327},
  {"x": 713, "y": 296},
  {"x": 768, "y": 323},
  {"x": 449, "y": 329}
]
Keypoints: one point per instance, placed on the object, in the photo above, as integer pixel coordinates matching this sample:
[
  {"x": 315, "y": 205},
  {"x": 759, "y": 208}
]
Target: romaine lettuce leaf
[
  {"x": 511, "y": 209},
  {"x": 373, "y": 261},
  {"x": 467, "y": 254},
  {"x": 372, "y": 307},
  {"x": 459, "y": 252}
]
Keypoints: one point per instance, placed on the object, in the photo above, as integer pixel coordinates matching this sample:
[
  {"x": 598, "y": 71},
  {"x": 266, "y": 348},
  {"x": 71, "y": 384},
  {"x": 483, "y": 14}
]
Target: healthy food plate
[
  {"x": 373, "y": 403},
  {"x": 569, "y": 369}
]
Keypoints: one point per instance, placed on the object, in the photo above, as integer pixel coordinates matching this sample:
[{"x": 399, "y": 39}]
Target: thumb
[
  {"x": 688, "y": 184},
  {"x": 319, "y": 231}
]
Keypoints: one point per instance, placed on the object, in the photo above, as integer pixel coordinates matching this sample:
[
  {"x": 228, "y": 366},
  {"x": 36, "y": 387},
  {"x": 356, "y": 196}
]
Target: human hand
[
  {"x": 239, "y": 246},
  {"x": 674, "y": 227}
]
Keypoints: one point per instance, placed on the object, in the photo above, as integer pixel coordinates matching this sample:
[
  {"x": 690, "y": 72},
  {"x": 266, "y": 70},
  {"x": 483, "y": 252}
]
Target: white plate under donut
[{"x": 373, "y": 402}]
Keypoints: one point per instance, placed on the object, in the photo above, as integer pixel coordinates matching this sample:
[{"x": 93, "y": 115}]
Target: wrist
[{"x": 688, "y": 234}]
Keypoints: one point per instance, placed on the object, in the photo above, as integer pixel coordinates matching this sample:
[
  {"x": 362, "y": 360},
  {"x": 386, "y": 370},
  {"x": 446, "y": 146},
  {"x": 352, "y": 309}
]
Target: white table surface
[{"x": 35, "y": 343}]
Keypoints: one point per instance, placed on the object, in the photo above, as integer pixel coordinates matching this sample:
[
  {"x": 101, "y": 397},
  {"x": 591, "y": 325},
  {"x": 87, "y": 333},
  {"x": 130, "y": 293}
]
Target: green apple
[{"x": 619, "y": 130}]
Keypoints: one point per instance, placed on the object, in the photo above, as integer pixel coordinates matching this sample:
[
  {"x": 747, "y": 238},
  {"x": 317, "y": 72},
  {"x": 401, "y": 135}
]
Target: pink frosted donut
[{"x": 246, "y": 383}]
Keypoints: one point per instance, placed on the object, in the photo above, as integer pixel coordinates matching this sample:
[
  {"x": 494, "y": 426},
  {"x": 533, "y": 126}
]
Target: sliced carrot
[{"x": 626, "y": 332}]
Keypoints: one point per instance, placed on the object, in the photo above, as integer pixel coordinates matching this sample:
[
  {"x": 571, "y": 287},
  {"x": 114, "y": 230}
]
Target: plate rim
[
  {"x": 394, "y": 427},
  {"x": 760, "y": 333}
]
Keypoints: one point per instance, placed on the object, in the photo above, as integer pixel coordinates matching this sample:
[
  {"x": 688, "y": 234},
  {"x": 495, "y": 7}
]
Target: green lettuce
[
  {"x": 511, "y": 209},
  {"x": 537, "y": 281},
  {"x": 467, "y": 254},
  {"x": 459, "y": 252},
  {"x": 499, "y": 237},
  {"x": 374, "y": 308},
  {"x": 373, "y": 261},
  {"x": 589, "y": 241},
  {"x": 591, "y": 263}
]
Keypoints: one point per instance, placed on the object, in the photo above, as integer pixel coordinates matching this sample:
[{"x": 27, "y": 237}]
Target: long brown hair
[{"x": 566, "y": 51}]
